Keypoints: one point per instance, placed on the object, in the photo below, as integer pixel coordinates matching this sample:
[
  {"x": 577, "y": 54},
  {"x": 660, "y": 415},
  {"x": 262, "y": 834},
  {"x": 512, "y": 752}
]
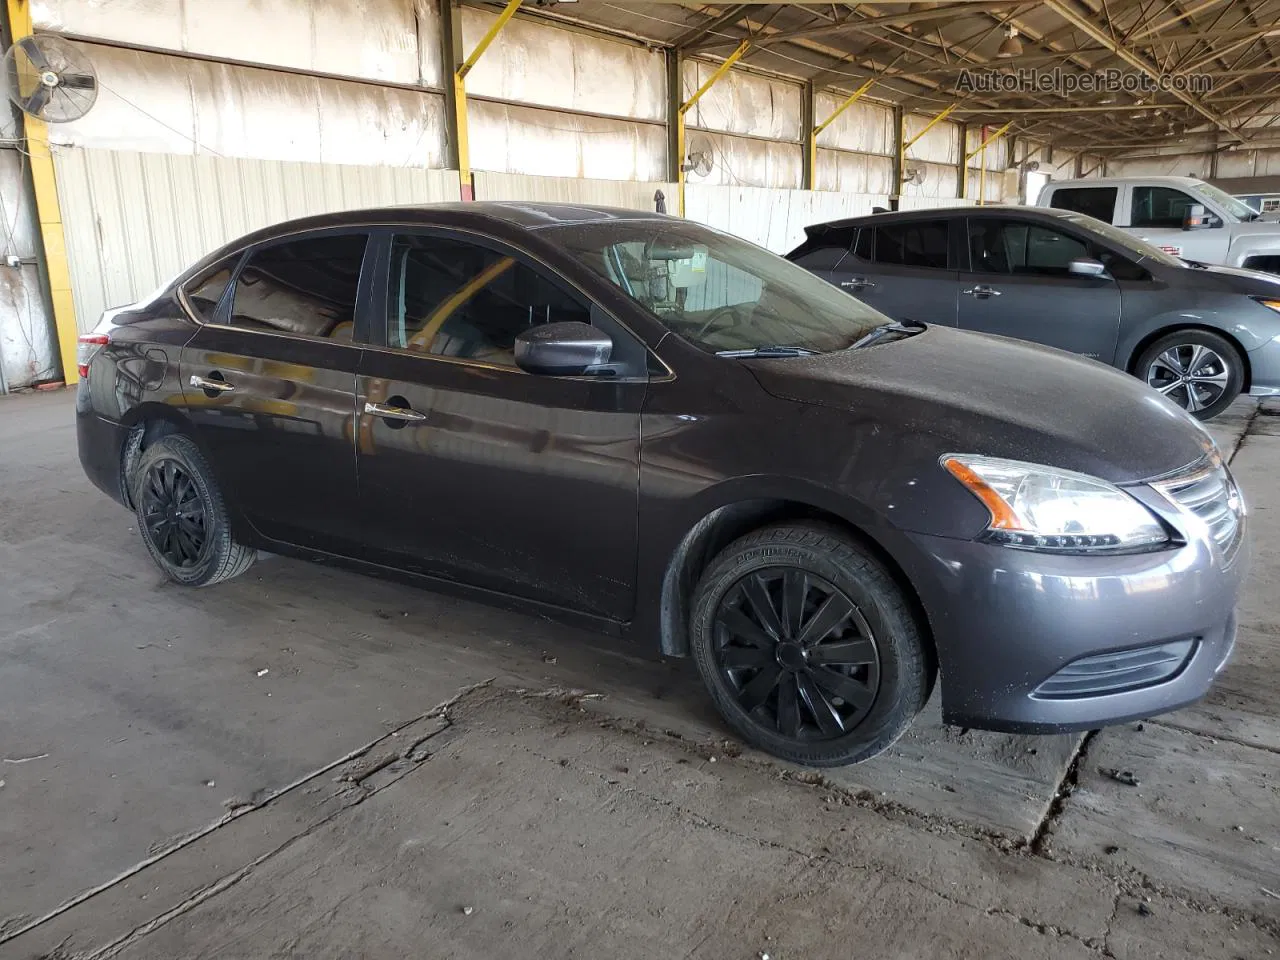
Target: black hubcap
[
  {"x": 797, "y": 653},
  {"x": 173, "y": 513}
]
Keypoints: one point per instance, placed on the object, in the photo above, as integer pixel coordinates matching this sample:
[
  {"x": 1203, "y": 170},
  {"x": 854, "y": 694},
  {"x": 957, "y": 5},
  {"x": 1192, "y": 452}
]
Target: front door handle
[
  {"x": 389, "y": 412},
  {"x": 981, "y": 292},
  {"x": 857, "y": 283},
  {"x": 212, "y": 386}
]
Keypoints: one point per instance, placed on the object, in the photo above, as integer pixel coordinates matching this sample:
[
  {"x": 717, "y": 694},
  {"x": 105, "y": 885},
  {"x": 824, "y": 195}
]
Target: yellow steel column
[
  {"x": 685, "y": 107},
  {"x": 982, "y": 149},
  {"x": 460, "y": 97},
  {"x": 946, "y": 112},
  {"x": 818, "y": 128},
  {"x": 49, "y": 214}
]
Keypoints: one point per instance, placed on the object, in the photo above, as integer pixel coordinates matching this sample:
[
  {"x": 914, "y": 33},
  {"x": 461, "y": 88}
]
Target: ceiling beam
[
  {"x": 1099, "y": 35},
  {"x": 726, "y": 19}
]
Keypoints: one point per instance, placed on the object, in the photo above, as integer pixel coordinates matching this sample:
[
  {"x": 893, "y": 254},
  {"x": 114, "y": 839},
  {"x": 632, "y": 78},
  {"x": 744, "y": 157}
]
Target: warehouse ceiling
[{"x": 1218, "y": 60}]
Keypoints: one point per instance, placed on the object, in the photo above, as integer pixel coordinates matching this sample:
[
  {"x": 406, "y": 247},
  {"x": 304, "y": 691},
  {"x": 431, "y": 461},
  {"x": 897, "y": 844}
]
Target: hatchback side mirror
[
  {"x": 1087, "y": 267},
  {"x": 566, "y": 349}
]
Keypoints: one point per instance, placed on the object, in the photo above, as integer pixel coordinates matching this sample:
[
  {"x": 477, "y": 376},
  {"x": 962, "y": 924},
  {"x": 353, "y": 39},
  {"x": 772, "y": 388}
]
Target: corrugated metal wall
[
  {"x": 134, "y": 220},
  {"x": 772, "y": 218},
  {"x": 27, "y": 347},
  {"x": 636, "y": 195}
]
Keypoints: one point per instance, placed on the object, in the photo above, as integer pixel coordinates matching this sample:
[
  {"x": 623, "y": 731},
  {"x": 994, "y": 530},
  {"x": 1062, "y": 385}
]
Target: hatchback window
[
  {"x": 1018, "y": 246},
  {"x": 1096, "y": 202},
  {"x": 452, "y": 298},
  {"x": 305, "y": 287},
  {"x": 916, "y": 243},
  {"x": 1160, "y": 207},
  {"x": 204, "y": 292}
]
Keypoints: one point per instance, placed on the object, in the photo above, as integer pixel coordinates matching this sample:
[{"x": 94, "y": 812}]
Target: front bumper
[{"x": 1006, "y": 621}]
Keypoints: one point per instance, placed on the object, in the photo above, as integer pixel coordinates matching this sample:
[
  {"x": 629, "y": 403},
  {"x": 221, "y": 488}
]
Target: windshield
[
  {"x": 1126, "y": 241},
  {"x": 716, "y": 291},
  {"x": 1237, "y": 208}
]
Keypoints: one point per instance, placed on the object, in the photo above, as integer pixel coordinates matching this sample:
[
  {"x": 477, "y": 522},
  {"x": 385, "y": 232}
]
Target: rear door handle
[
  {"x": 217, "y": 385},
  {"x": 981, "y": 292},
  {"x": 393, "y": 413},
  {"x": 857, "y": 283}
]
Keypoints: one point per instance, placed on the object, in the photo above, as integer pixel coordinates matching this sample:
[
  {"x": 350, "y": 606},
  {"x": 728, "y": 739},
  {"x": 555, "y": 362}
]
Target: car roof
[
  {"x": 1112, "y": 181},
  {"x": 933, "y": 213},
  {"x": 515, "y": 213}
]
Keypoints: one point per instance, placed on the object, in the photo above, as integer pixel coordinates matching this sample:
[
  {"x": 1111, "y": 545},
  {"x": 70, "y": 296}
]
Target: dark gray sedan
[{"x": 1199, "y": 334}]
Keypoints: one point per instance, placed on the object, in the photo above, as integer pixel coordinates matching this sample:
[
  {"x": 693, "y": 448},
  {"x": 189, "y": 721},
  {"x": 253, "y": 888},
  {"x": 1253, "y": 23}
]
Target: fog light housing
[{"x": 1118, "y": 671}]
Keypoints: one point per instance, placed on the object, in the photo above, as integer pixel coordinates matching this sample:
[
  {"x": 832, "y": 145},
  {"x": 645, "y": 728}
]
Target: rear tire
[
  {"x": 1200, "y": 371},
  {"x": 808, "y": 647},
  {"x": 182, "y": 516}
]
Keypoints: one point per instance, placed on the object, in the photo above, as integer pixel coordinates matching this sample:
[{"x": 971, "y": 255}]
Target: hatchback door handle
[
  {"x": 857, "y": 283},
  {"x": 393, "y": 413},
  {"x": 981, "y": 291},
  {"x": 211, "y": 386}
]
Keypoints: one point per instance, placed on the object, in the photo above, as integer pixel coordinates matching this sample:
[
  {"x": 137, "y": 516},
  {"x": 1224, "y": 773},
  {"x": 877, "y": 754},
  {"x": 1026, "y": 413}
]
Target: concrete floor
[{"x": 416, "y": 775}]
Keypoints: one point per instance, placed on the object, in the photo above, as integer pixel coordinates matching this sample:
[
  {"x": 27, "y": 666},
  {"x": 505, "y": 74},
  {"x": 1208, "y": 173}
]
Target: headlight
[
  {"x": 1272, "y": 302},
  {"x": 1044, "y": 508}
]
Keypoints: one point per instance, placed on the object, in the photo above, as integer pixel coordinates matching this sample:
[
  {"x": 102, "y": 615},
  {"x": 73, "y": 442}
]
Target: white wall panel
[
  {"x": 134, "y": 220},
  {"x": 854, "y": 172},
  {"x": 940, "y": 180},
  {"x": 635, "y": 195},
  {"x": 541, "y": 64},
  {"x": 745, "y": 162},
  {"x": 996, "y": 153},
  {"x": 941, "y": 144},
  {"x": 742, "y": 102},
  {"x": 507, "y": 138},
  {"x": 374, "y": 39},
  {"x": 774, "y": 219},
  {"x": 865, "y": 127},
  {"x": 1181, "y": 165},
  {"x": 919, "y": 202},
  {"x": 161, "y": 104}
]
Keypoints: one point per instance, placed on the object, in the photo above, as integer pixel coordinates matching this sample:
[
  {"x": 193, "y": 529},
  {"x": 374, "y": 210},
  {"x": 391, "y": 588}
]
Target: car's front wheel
[
  {"x": 808, "y": 647},
  {"x": 1198, "y": 370},
  {"x": 182, "y": 516}
]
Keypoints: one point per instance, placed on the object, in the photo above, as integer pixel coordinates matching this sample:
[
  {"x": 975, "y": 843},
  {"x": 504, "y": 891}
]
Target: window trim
[
  {"x": 378, "y": 338},
  {"x": 242, "y": 257}
]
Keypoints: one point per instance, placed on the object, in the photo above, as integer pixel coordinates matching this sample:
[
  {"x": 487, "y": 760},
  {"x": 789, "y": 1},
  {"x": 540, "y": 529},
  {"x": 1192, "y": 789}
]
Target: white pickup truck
[{"x": 1184, "y": 216}]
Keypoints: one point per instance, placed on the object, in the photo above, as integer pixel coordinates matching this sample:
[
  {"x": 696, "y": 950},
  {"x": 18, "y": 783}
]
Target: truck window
[
  {"x": 1097, "y": 202},
  {"x": 1160, "y": 207}
]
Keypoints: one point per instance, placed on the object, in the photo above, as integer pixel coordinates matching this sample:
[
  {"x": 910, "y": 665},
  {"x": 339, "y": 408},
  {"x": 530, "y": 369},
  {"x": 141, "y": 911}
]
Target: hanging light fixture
[{"x": 1011, "y": 46}]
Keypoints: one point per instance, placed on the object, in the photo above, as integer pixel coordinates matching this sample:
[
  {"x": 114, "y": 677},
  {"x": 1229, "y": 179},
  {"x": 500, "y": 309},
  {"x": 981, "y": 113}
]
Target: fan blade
[
  {"x": 78, "y": 81},
  {"x": 31, "y": 48},
  {"x": 38, "y": 100}
]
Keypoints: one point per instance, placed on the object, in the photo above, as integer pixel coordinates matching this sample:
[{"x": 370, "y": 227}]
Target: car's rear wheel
[
  {"x": 808, "y": 647},
  {"x": 1198, "y": 370},
  {"x": 182, "y": 516}
]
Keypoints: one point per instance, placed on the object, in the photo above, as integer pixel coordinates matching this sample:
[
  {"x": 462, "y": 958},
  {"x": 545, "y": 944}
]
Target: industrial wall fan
[
  {"x": 700, "y": 157},
  {"x": 49, "y": 78}
]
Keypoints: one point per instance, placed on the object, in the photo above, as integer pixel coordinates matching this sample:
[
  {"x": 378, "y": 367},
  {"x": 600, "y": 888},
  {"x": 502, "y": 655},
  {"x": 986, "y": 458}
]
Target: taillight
[{"x": 87, "y": 348}]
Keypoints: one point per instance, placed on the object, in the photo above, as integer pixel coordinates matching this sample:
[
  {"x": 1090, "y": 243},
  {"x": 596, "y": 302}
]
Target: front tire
[
  {"x": 182, "y": 516},
  {"x": 1198, "y": 370},
  {"x": 808, "y": 647}
]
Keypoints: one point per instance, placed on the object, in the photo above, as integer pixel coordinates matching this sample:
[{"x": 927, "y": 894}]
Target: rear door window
[
  {"x": 825, "y": 251},
  {"x": 916, "y": 243},
  {"x": 304, "y": 287},
  {"x": 1097, "y": 202}
]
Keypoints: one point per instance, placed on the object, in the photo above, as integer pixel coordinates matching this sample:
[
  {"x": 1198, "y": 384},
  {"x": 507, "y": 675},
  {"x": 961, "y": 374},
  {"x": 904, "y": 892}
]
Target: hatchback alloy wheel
[
  {"x": 1192, "y": 375},
  {"x": 173, "y": 512},
  {"x": 797, "y": 653}
]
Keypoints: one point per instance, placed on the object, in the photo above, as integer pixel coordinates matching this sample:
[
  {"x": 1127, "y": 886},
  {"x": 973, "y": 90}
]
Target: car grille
[
  {"x": 1119, "y": 671},
  {"x": 1209, "y": 493}
]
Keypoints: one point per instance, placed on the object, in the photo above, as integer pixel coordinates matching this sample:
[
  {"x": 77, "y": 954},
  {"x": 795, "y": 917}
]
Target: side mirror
[
  {"x": 1087, "y": 267},
  {"x": 1195, "y": 218},
  {"x": 566, "y": 349}
]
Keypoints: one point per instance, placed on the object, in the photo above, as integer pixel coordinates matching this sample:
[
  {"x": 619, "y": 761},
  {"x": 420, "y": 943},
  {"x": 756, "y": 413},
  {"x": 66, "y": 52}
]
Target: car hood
[
  {"x": 1253, "y": 282},
  {"x": 1255, "y": 228},
  {"x": 994, "y": 396}
]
